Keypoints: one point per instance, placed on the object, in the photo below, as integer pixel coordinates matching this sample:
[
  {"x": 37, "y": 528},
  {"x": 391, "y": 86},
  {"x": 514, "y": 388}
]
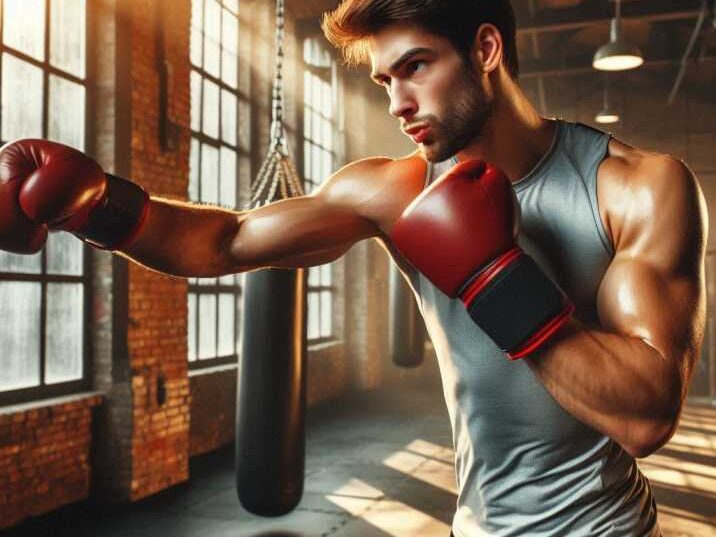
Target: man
[{"x": 544, "y": 445}]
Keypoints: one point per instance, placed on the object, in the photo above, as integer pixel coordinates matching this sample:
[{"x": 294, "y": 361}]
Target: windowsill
[
  {"x": 52, "y": 401},
  {"x": 324, "y": 345},
  {"x": 212, "y": 369}
]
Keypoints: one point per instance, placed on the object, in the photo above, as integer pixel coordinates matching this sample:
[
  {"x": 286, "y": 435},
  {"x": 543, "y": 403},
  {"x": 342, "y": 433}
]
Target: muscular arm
[
  {"x": 184, "y": 239},
  {"x": 629, "y": 378}
]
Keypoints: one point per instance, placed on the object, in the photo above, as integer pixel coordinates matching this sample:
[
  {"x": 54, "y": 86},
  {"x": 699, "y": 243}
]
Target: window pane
[
  {"x": 316, "y": 161},
  {"x": 230, "y": 68},
  {"x": 20, "y": 334},
  {"x": 229, "y": 56},
  {"x": 326, "y": 274},
  {"x": 194, "y": 170},
  {"x": 313, "y": 316},
  {"x": 233, "y": 5},
  {"x": 197, "y": 21},
  {"x": 307, "y": 160},
  {"x": 66, "y": 114},
  {"x": 228, "y": 117},
  {"x": 21, "y": 99},
  {"x": 327, "y": 134},
  {"x": 326, "y": 99},
  {"x": 27, "y": 264},
  {"x": 307, "y": 87},
  {"x": 212, "y": 34},
  {"x": 327, "y": 165},
  {"x": 207, "y": 326},
  {"x": 227, "y": 324},
  {"x": 195, "y": 101},
  {"x": 307, "y": 118},
  {"x": 67, "y": 36},
  {"x": 316, "y": 127},
  {"x": 314, "y": 276},
  {"x": 210, "y": 109},
  {"x": 326, "y": 313},
  {"x": 228, "y": 280},
  {"x": 228, "y": 178},
  {"x": 64, "y": 332},
  {"x": 209, "y": 174},
  {"x": 191, "y": 326},
  {"x": 64, "y": 254},
  {"x": 24, "y": 26}
]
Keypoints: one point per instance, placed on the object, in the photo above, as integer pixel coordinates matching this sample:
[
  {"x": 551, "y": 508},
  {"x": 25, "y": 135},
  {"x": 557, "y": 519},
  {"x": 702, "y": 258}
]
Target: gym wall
[{"x": 132, "y": 433}]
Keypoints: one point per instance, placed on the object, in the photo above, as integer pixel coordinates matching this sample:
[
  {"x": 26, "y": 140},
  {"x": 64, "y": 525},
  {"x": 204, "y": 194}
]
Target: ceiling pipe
[{"x": 689, "y": 48}]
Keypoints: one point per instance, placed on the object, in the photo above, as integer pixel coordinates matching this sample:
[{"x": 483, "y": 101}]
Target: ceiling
[{"x": 561, "y": 36}]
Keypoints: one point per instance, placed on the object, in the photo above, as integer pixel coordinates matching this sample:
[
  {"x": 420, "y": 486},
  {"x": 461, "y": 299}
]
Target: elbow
[{"x": 651, "y": 437}]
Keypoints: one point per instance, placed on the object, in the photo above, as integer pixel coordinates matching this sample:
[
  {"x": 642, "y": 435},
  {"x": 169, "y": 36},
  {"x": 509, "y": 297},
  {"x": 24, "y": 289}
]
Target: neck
[{"x": 515, "y": 137}]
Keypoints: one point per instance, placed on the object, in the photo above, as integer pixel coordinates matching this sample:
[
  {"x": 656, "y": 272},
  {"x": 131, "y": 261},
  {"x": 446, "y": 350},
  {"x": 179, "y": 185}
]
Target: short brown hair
[{"x": 348, "y": 26}]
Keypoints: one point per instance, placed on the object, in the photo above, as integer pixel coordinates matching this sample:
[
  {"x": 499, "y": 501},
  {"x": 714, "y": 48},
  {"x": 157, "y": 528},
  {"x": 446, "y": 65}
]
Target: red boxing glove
[
  {"x": 49, "y": 185},
  {"x": 460, "y": 233}
]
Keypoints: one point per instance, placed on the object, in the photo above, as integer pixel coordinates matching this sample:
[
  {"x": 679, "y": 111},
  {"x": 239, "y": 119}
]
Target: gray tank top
[{"x": 524, "y": 465}]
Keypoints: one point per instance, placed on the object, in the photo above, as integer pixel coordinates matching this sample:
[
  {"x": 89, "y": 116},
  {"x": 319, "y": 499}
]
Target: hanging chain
[
  {"x": 277, "y": 178},
  {"x": 277, "y": 129}
]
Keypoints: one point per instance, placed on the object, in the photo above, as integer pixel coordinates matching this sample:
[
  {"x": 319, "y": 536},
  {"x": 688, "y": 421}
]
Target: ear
[{"x": 487, "y": 48}]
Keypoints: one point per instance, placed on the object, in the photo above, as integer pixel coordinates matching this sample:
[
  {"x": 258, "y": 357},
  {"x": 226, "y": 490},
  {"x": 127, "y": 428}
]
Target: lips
[{"x": 418, "y": 133}]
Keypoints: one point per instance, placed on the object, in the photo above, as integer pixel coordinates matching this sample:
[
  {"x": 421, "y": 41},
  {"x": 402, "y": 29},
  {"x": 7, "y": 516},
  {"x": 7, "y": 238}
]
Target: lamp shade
[
  {"x": 607, "y": 116},
  {"x": 617, "y": 54}
]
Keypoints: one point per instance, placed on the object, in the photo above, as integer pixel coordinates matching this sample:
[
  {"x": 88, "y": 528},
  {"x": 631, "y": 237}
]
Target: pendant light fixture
[
  {"x": 617, "y": 54},
  {"x": 607, "y": 114}
]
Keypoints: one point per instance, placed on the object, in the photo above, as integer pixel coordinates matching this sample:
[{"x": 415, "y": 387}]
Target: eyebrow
[{"x": 399, "y": 62}]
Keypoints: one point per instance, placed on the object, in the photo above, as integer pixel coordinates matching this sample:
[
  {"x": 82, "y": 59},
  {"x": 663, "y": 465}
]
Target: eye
[{"x": 415, "y": 66}]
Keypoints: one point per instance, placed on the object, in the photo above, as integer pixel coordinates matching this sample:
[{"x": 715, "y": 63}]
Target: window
[
  {"x": 219, "y": 147},
  {"x": 319, "y": 161},
  {"x": 43, "y": 297}
]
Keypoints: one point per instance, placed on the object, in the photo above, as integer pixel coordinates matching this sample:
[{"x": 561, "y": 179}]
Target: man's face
[{"x": 434, "y": 92}]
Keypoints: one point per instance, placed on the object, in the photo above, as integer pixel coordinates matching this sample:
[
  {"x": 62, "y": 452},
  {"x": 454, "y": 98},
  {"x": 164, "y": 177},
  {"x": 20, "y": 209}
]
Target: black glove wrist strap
[{"x": 115, "y": 222}]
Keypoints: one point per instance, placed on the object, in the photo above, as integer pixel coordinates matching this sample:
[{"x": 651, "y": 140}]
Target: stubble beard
[{"x": 463, "y": 121}]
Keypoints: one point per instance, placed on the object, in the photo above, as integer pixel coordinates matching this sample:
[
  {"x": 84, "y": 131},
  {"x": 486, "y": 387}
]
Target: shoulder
[
  {"x": 650, "y": 199},
  {"x": 378, "y": 187}
]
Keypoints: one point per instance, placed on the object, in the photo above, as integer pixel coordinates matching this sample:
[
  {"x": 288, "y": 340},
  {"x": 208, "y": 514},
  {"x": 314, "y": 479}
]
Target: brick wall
[
  {"x": 155, "y": 415},
  {"x": 156, "y": 332},
  {"x": 44, "y": 456},
  {"x": 213, "y": 409}
]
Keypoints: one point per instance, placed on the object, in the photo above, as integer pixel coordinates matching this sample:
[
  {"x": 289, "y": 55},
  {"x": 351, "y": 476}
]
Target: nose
[{"x": 402, "y": 102}]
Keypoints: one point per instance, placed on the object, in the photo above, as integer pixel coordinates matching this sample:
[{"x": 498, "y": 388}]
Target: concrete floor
[{"x": 377, "y": 466}]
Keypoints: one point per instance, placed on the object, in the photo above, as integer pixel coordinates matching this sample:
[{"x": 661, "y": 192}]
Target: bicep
[
  {"x": 654, "y": 287},
  {"x": 662, "y": 307}
]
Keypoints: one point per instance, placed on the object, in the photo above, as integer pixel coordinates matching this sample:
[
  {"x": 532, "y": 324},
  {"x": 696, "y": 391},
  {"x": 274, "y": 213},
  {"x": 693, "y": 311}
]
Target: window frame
[
  {"x": 216, "y": 288},
  {"x": 43, "y": 390},
  {"x": 304, "y": 31}
]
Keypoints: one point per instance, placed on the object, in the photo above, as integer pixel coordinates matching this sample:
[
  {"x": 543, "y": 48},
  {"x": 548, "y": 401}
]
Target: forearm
[
  {"x": 184, "y": 239},
  {"x": 618, "y": 385}
]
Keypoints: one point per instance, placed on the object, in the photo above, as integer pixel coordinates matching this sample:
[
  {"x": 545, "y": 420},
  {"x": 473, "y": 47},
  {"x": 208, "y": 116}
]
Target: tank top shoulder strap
[{"x": 586, "y": 148}]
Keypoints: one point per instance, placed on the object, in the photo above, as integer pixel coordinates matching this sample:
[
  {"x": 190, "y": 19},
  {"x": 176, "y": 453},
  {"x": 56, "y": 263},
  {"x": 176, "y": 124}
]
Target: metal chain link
[
  {"x": 277, "y": 128},
  {"x": 277, "y": 178}
]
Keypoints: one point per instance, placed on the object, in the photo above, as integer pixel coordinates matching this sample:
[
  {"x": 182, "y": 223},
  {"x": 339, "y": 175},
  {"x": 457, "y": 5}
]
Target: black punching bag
[
  {"x": 271, "y": 396},
  {"x": 271, "y": 392},
  {"x": 406, "y": 326}
]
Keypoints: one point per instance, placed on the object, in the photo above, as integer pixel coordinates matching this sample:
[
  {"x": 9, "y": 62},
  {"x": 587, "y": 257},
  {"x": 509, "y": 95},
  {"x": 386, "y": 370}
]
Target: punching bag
[
  {"x": 406, "y": 327},
  {"x": 271, "y": 391},
  {"x": 270, "y": 416}
]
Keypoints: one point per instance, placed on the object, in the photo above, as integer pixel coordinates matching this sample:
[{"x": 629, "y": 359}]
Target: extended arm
[
  {"x": 629, "y": 378},
  {"x": 193, "y": 240}
]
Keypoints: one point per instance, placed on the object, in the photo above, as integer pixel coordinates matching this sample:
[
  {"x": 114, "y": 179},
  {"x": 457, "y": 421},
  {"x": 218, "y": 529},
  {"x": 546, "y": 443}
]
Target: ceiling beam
[
  {"x": 593, "y": 12},
  {"x": 584, "y": 65}
]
